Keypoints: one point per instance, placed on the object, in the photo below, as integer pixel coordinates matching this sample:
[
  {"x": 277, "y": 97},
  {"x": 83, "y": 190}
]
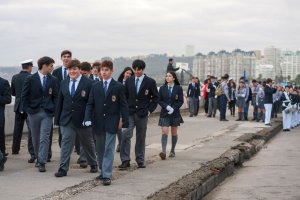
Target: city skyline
[{"x": 93, "y": 29}]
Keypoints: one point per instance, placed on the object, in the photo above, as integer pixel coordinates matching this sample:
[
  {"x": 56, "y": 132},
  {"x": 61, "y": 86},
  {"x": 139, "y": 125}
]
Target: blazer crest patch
[
  {"x": 83, "y": 93},
  {"x": 146, "y": 92},
  {"x": 176, "y": 97},
  {"x": 113, "y": 98}
]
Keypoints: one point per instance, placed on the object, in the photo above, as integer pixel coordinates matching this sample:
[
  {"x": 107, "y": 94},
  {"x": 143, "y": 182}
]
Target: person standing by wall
[
  {"x": 17, "y": 83},
  {"x": 268, "y": 101},
  {"x": 232, "y": 95},
  {"x": 170, "y": 100},
  {"x": 241, "y": 99}
]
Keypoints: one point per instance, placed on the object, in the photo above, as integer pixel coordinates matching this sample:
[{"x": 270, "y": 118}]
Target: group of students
[
  {"x": 94, "y": 108},
  {"x": 266, "y": 98}
]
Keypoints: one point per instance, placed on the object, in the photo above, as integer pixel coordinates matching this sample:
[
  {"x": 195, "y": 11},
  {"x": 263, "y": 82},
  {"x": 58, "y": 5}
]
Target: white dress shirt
[{"x": 76, "y": 83}]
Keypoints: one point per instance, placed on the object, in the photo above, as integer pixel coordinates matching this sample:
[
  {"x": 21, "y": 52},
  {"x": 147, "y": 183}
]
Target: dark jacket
[
  {"x": 72, "y": 108},
  {"x": 105, "y": 112},
  {"x": 5, "y": 98},
  {"x": 212, "y": 89},
  {"x": 58, "y": 74},
  {"x": 230, "y": 91},
  {"x": 17, "y": 83},
  {"x": 175, "y": 101},
  {"x": 33, "y": 98},
  {"x": 269, "y": 94},
  {"x": 171, "y": 68},
  {"x": 147, "y": 98},
  {"x": 193, "y": 91}
]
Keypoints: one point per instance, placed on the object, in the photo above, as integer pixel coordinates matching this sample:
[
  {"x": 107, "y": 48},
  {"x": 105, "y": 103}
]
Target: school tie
[
  {"x": 170, "y": 91},
  {"x": 97, "y": 79},
  {"x": 65, "y": 73},
  {"x": 73, "y": 88},
  {"x": 136, "y": 85},
  {"x": 105, "y": 87},
  {"x": 44, "y": 84}
]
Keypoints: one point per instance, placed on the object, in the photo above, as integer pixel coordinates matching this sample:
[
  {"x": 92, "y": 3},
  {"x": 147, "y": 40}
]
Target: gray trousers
[
  {"x": 212, "y": 106},
  {"x": 40, "y": 125},
  {"x": 141, "y": 127},
  {"x": 193, "y": 105},
  {"x": 105, "y": 146},
  {"x": 85, "y": 135}
]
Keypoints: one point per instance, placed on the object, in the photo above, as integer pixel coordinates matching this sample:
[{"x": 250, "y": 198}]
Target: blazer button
[
  {"x": 104, "y": 104},
  {"x": 136, "y": 100},
  {"x": 136, "y": 106},
  {"x": 104, "y": 115}
]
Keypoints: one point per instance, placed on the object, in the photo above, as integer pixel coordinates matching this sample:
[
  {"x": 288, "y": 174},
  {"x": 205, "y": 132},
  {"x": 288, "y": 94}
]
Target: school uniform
[
  {"x": 142, "y": 97},
  {"x": 170, "y": 96},
  {"x": 224, "y": 98},
  {"x": 39, "y": 99},
  {"x": 107, "y": 102},
  {"x": 5, "y": 98},
  {"x": 193, "y": 94},
  {"x": 72, "y": 100}
]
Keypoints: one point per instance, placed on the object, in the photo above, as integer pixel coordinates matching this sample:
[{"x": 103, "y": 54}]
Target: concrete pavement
[
  {"x": 273, "y": 174},
  {"x": 201, "y": 139}
]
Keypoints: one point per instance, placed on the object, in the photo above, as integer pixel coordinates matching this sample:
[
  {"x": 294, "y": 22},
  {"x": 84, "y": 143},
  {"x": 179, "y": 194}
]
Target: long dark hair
[
  {"x": 121, "y": 77},
  {"x": 176, "y": 82}
]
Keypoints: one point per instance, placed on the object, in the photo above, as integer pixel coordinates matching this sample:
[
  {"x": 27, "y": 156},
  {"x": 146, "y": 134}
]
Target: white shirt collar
[
  {"x": 141, "y": 78},
  {"x": 77, "y": 79},
  {"x": 108, "y": 81}
]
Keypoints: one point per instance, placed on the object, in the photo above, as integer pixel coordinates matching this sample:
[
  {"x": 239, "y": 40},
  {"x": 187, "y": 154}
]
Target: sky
[{"x": 93, "y": 29}]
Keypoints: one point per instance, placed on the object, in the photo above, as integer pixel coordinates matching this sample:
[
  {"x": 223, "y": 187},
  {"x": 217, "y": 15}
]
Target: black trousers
[
  {"x": 2, "y": 140},
  {"x": 20, "y": 119}
]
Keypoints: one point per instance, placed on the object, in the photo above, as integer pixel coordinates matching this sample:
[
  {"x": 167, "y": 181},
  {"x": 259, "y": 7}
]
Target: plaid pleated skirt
[{"x": 170, "y": 121}]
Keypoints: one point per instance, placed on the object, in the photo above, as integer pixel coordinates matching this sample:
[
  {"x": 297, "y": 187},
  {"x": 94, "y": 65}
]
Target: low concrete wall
[{"x": 10, "y": 117}]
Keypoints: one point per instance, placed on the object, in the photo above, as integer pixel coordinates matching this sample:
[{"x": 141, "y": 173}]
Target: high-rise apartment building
[{"x": 290, "y": 64}]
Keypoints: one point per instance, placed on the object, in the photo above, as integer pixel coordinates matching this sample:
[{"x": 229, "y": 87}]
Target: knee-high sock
[
  {"x": 164, "y": 141},
  {"x": 174, "y": 141}
]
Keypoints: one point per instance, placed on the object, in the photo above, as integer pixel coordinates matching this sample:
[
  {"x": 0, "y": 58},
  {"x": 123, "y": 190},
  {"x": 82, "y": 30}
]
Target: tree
[
  {"x": 297, "y": 79},
  {"x": 289, "y": 77}
]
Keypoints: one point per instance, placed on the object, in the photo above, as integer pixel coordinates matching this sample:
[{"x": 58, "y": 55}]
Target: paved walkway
[
  {"x": 274, "y": 173},
  {"x": 200, "y": 139}
]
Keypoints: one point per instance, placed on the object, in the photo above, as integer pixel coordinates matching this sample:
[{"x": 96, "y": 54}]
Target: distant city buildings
[
  {"x": 264, "y": 71},
  {"x": 290, "y": 64},
  {"x": 218, "y": 64}
]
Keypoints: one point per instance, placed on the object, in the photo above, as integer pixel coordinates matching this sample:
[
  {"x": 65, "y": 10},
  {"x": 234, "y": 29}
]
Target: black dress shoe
[
  {"x": 162, "y": 155},
  {"x": 94, "y": 169},
  {"x": 124, "y": 165},
  {"x": 141, "y": 165},
  {"x": 118, "y": 148},
  {"x": 15, "y": 152},
  {"x": 60, "y": 173},
  {"x": 224, "y": 120},
  {"x": 2, "y": 162},
  {"x": 83, "y": 164},
  {"x": 48, "y": 159},
  {"x": 5, "y": 154},
  {"x": 31, "y": 159},
  {"x": 42, "y": 168},
  {"x": 106, "y": 181}
]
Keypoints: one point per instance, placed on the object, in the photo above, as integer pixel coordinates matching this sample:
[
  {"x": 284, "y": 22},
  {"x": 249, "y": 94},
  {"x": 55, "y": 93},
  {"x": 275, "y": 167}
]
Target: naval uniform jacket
[
  {"x": 33, "y": 98},
  {"x": 145, "y": 100},
  {"x": 104, "y": 110},
  {"x": 269, "y": 91},
  {"x": 72, "y": 108},
  {"x": 5, "y": 98},
  {"x": 17, "y": 83},
  {"x": 175, "y": 101}
]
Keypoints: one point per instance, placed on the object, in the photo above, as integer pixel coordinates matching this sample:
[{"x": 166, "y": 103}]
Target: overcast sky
[{"x": 92, "y": 29}]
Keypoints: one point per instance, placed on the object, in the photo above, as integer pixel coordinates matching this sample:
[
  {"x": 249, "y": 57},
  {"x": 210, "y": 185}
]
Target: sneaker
[
  {"x": 42, "y": 168},
  {"x": 106, "y": 181},
  {"x": 172, "y": 154},
  {"x": 94, "y": 169},
  {"x": 162, "y": 155},
  {"x": 60, "y": 173},
  {"x": 124, "y": 165}
]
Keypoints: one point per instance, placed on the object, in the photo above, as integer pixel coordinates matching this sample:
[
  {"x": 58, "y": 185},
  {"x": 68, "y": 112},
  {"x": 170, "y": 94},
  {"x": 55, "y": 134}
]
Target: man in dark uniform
[
  {"x": 170, "y": 66},
  {"x": 39, "y": 98},
  {"x": 5, "y": 98},
  {"x": 142, "y": 97},
  {"x": 20, "y": 116}
]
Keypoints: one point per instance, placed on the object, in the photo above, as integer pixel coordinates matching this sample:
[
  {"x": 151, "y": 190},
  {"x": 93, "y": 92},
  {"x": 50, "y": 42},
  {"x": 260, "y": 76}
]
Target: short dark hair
[
  {"x": 108, "y": 64},
  {"x": 254, "y": 81},
  {"x": 85, "y": 66},
  {"x": 27, "y": 65},
  {"x": 64, "y": 52},
  {"x": 269, "y": 80},
  {"x": 140, "y": 64},
  {"x": 74, "y": 63},
  {"x": 44, "y": 61}
]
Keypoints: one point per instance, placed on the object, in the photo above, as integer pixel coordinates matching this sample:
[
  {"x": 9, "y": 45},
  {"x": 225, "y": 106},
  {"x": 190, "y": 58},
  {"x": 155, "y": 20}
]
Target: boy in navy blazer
[
  {"x": 72, "y": 99},
  {"x": 106, "y": 104},
  {"x": 142, "y": 97},
  {"x": 39, "y": 98}
]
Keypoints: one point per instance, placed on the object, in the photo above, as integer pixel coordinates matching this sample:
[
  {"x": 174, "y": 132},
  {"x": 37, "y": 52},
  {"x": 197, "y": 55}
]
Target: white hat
[{"x": 27, "y": 62}]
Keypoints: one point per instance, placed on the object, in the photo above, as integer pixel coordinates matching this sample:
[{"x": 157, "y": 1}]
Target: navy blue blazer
[
  {"x": 72, "y": 108},
  {"x": 268, "y": 99},
  {"x": 58, "y": 74},
  {"x": 17, "y": 83},
  {"x": 105, "y": 111},
  {"x": 5, "y": 98},
  {"x": 193, "y": 91},
  {"x": 33, "y": 98},
  {"x": 175, "y": 101},
  {"x": 147, "y": 98}
]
